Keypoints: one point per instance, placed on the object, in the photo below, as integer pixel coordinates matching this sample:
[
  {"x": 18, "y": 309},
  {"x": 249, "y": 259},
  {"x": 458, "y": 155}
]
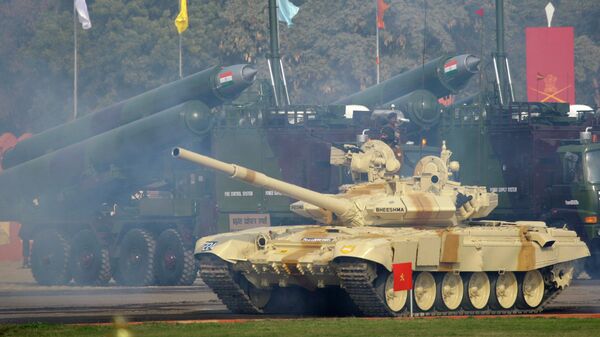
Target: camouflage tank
[{"x": 459, "y": 265}]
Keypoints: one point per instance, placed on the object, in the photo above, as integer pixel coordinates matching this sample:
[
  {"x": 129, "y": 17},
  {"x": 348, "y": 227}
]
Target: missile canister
[
  {"x": 420, "y": 107},
  {"x": 442, "y": 76},
  {"x": 211, "y": 86},
  {"x": 87, "y": 168}
]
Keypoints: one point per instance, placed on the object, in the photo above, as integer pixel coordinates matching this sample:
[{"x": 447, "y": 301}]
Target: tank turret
[{"x": 428, "y": 198}]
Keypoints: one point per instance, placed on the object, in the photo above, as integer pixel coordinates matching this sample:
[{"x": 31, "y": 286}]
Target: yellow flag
[{"x": 181, "y": 22}]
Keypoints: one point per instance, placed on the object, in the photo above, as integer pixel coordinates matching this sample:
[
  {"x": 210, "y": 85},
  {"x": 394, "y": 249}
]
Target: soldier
[{"x": 390, "y": 134}]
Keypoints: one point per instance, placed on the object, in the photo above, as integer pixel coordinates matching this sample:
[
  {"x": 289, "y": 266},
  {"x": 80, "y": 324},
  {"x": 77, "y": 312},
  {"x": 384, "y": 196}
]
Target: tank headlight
[
  {"x": 590, "y": 219},
  {"x": 261, "y": 241}
]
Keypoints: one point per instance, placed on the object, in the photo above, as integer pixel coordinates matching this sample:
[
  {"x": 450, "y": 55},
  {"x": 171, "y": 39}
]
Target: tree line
[{"x": 328, "y": 52}]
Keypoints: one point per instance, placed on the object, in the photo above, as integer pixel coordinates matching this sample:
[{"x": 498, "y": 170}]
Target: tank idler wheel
[
  {"x": 504, "y": 291},
  {"x": 136, "y": 258},
  {"x": 395, "y": 300},
  {"x": 450, "y": 290},
  {"x": 50, "y": 257},
  {"x": 259, "y": 297},
  {"x": 425, "y": 291},
  {"x": 531, "y": 289},
  {"x": 477, "y": 290},
  {"x": 175, "y": 263},
  {"x": 90, "y": 262}
]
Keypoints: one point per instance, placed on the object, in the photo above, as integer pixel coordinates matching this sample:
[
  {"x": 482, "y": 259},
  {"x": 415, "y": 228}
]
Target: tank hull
[{"x": 322, "y": 257}]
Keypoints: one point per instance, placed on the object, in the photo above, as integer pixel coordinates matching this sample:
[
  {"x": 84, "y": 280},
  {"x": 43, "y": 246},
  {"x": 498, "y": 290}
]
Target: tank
[{"x": 459, "y": 265}]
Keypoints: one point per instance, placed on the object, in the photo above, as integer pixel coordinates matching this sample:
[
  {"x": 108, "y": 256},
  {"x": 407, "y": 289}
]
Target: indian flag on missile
[
  {"x": 450, "y": 67},
  {"x": 226, "y": 79}
]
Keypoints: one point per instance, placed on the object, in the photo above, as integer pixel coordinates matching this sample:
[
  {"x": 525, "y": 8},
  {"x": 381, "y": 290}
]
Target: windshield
[{"x": 592, "y": 160}]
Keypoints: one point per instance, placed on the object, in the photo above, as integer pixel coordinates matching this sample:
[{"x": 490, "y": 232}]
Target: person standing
[{"x": 390, "y": 134}]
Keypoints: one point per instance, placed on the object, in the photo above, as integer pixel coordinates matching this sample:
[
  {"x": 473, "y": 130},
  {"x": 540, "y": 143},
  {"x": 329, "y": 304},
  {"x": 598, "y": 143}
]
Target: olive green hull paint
[
  {"x": 83, "y": 172},
  {"x": 197, "y": 86}
]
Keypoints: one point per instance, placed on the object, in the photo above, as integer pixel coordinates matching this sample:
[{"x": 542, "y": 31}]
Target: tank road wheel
[
  {"x": 425, "y": 291},
  {"x": 175, "y": 264},
  {"x": 50, "y": 256},
  {"x": 136, "y": 258},
  {"x": 450, "y": 292},
  {"x": 531, "y": 289},
  {"x": 504, "y": 291},
  {"x": 395, "y": 300},
  {"x": 90, "y": 263},
  {"x": 477, "y": 289}
]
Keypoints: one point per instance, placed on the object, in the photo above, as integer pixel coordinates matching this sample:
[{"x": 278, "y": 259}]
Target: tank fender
[
  {"x": 375, "y": 250},
  {"x": 231, "y": 247}
]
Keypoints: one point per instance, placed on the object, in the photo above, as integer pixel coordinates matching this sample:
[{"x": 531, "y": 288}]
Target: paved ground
[{"x": 21, "y": 300}]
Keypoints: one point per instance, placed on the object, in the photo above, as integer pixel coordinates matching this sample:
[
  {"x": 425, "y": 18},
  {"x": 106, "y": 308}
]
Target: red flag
[
  {"x": 479, "y": 12},
  {"x": 550, "y": 64},
  {"x": 381, "y": 8},
  {"x": 402, "y": 276}
]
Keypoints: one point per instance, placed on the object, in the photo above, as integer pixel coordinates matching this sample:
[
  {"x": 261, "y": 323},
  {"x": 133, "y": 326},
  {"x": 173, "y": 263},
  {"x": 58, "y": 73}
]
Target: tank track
[
  {"x": 219, "y": 278},
  {"x": 355, "y": 280}
]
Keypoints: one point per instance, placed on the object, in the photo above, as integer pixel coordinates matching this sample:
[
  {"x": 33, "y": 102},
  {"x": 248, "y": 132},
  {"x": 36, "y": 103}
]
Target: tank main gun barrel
[
  {"x": 211, "y": 86},
  {"x": 338, "y": 206},
  {"x": 441, "y": 76}
]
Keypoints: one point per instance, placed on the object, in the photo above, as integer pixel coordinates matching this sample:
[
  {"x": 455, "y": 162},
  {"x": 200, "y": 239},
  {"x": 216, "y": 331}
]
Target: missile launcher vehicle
[{"x": 459, "y": 265}]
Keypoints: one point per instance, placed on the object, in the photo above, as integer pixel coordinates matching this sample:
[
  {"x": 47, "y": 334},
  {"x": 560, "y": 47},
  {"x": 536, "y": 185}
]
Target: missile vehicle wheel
[
  {"x": 136, "y": 258},
  {"x": 531, "y": 289},
  {"x": 90, "y": 262},
  {"x": 450, "y": 291},
  {"x": 592, "y": 263},
  {"x": 50, "y": 256},
  {"x": 425, "y": 291},
  {"x": 504, "y": 291},
  {"x": 477, "y": 290},
  {"x": 175, "y": 264}
]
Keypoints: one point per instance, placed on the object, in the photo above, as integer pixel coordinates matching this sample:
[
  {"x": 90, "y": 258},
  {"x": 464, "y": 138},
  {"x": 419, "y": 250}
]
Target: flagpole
[
  {"x": 180, "y": 53},
  {"x": 180, "y": 59},
  {"x": 74, "y": 61},
  {"x": 377, "y": 37}
]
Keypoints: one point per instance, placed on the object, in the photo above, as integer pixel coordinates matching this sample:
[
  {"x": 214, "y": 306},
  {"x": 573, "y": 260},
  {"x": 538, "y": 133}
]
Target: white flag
[{"x": 82, "y": 14}]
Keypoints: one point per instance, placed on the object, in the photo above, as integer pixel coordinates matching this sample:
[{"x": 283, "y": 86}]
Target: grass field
[{"x": 343, "y": 327}]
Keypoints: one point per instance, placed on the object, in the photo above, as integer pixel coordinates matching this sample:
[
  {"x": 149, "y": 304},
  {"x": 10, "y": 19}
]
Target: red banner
[
  {"x": 550, "y": 64},
  {"x": 11, "y": 250},
  {"x": 402, "y": 276}
]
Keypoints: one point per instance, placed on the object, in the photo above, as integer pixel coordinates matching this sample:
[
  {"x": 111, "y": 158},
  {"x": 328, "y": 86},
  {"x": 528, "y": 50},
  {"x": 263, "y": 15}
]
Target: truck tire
[
  {"x": 135, "y": 266},
  {"x": 592, "y": 263},
  {"x": 90, "y": 262},
  {"x": 175, "y": 263},
  {"x": 50, "y": 257}
]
